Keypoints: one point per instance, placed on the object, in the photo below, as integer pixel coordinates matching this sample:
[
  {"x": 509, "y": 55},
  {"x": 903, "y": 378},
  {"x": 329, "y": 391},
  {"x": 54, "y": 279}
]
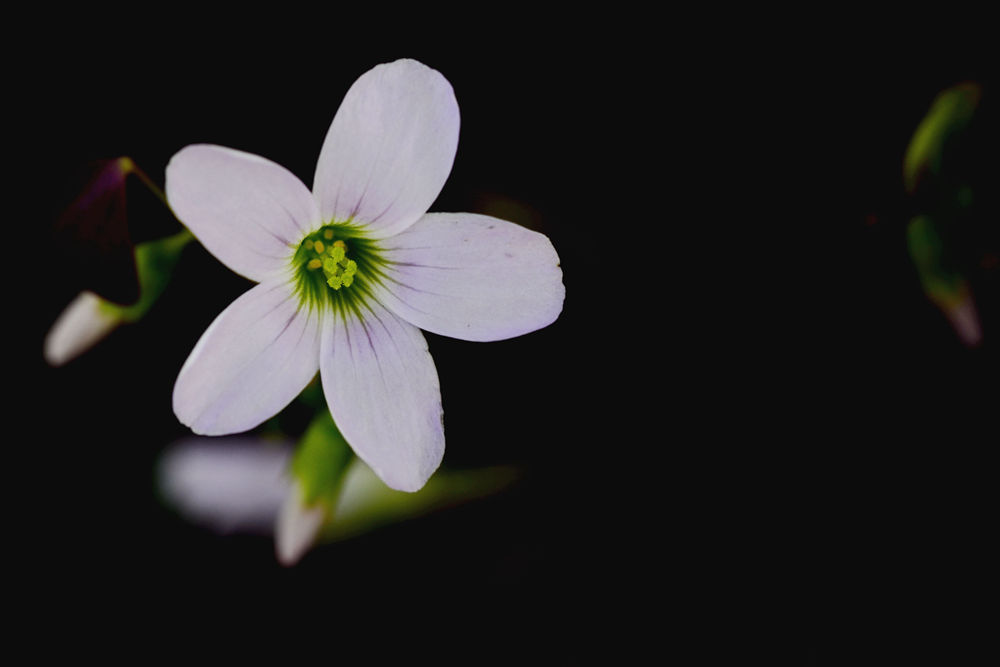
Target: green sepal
[
  {"x": 320, "y": 462},
  {"x": 155, "y": 262}
]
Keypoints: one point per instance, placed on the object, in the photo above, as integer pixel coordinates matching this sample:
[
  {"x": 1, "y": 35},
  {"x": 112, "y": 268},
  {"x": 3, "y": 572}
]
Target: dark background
[{"x": 748, "y": 419}]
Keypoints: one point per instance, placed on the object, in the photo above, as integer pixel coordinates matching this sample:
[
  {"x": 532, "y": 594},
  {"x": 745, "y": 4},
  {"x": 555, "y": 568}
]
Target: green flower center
[{"x": 336, "y": 265}]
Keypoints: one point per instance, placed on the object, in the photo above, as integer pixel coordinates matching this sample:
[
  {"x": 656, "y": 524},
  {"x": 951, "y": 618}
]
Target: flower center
[
  {"x": 332, "y": 259},
  {"x": 334, "y": 264}
]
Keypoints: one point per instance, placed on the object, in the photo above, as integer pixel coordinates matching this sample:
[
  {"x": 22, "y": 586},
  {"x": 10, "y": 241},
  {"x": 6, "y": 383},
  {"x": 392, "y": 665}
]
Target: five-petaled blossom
[{"x": 349, "y": 273}]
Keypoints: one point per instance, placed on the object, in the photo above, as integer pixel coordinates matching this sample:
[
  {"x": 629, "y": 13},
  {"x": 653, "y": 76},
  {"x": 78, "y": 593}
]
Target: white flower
[{"x": 349, "y": 273}]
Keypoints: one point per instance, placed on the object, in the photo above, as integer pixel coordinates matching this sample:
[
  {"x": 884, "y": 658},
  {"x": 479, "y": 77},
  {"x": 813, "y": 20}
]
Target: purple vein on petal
[
  {"x": 261, "y": 351},
  {"x": 368, "y": 182},
  {"x": 430, "y": 266},
  {"x": 375, "y": 354},
  {"x": 273, "y": 288},
  {"x": 389, "y": 335},
  {"x": 291, "y": 218},
  {"x": 393, "y": 279},
  {"x": 422, "y": 247},
  {"x": 305, "y": 327},
  {"x": 386, "y": 210},
  {"x": 269, "y": 231}
]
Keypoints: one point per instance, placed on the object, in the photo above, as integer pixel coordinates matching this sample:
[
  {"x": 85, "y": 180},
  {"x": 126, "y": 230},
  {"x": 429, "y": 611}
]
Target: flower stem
[
  {"x": 155, "y": 189},
  {"x": 321, "y": 460},
  {"x": 147, "y": 181}
]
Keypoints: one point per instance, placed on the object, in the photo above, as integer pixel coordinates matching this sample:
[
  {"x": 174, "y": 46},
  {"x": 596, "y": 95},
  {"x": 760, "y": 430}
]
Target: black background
[{"x": 748, "y": 422}]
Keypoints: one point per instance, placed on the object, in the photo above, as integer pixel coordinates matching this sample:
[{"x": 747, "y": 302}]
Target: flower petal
[
  {"x": 389, "y": 149},
  {"x": 250, "y": 363},
  {"x": 383, "y": 392},
  {"x": 472, "y": 277},
  {"x": 247, "y": 211},
  {"x": 78, "y": 328}
]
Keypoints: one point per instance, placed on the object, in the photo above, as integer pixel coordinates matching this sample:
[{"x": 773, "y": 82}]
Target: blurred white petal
[
  {"x": 78, "y": 328},
  {"x": 229, "y": 485}
]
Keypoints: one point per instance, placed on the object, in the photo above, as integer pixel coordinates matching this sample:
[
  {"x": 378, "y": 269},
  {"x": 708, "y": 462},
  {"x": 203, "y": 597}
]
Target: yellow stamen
[
  {"x": 318, "y": 246},
  {"x": 328, "y": 234},
  {"x": 314, "y": 264}
]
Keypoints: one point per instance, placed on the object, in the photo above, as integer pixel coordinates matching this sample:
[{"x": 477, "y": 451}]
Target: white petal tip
[
  {"x": 297, "y": 527},
  {"x": 196, "y": 418},
  {"x": 78, "y": 328},
  {"x": 409, "y": 477},
  {"x": 400, "y": 483}
]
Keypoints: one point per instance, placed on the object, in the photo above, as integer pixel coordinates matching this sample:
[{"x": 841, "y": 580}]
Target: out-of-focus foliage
[
  {"x": 321, "y": 461},
  {"x": 949, "y": 115},
  {"x": 935, "y": 177}
]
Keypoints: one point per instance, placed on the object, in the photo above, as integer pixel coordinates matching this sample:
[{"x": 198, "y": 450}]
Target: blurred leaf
[
  {"x": 941, "y": 282},
  {"x": 367, "y": 503},
  {"x": 949, "y": 114}
]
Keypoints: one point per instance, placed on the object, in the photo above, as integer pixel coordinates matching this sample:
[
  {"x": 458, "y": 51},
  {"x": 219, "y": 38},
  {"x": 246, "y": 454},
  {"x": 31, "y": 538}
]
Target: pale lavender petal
[
  {"x": 382, "y": 389},
  {"x": 389, "y": 149},
  {"x": 247, "y": 211},
  {"x": 78, "y": 328},
  {"x": 472, "y": 277},
  {"x": 252, "y": 361}
]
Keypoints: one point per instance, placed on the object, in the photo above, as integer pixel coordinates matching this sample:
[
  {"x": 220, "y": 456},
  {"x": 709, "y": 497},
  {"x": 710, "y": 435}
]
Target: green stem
[
  {"x": 147, "y": 181},
  {"x": 321, "y": 460},
  {"x": 154, "y": 188}
]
